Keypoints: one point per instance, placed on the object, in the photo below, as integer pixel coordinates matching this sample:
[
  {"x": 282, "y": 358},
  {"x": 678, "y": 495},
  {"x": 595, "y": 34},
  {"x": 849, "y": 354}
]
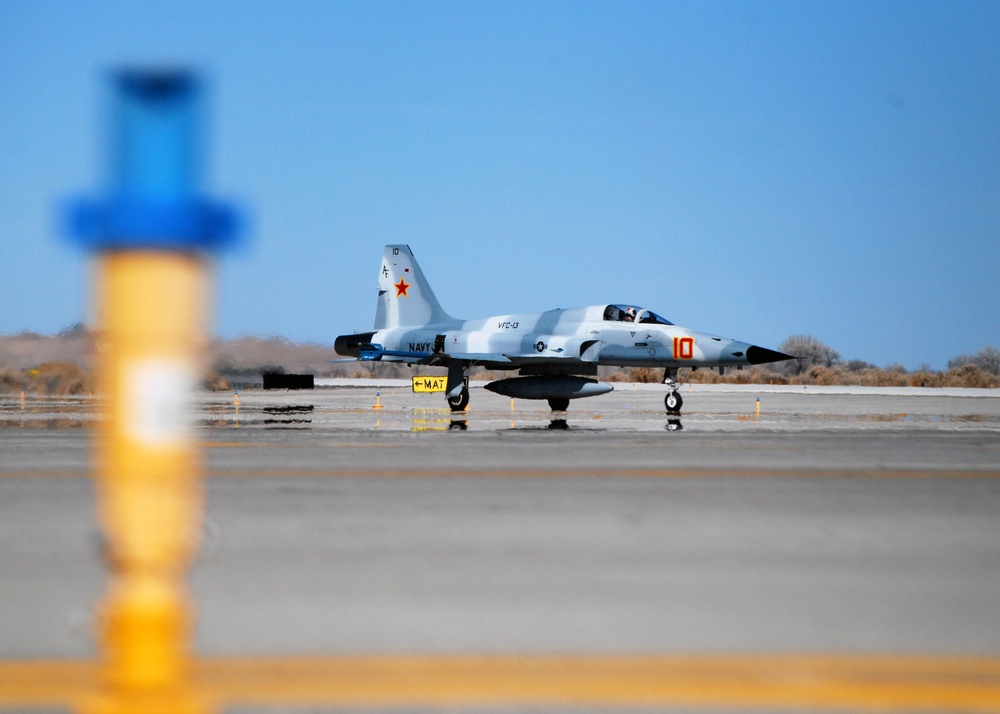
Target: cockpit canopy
[{"x": 633, "y": 313}]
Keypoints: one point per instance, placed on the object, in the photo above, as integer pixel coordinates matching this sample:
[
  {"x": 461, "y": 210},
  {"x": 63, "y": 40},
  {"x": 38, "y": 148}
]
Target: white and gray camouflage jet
[{"x": 555, "y": 352}]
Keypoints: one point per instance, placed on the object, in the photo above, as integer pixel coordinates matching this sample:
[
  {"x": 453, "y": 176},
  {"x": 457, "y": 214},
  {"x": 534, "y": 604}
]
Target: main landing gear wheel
[
  {"x": 673, "y": 403},
  {"x": 459, "y": 403},
  {"x": 557, "y": 404}
]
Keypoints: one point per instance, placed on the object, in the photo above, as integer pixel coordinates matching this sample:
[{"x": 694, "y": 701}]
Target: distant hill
[
  {"x": 62, "y": 364},
  {"x": 26, "y": 350}
]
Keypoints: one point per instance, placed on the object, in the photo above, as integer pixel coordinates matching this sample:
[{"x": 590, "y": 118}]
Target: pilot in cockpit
[{"x": 630, "y": 314}]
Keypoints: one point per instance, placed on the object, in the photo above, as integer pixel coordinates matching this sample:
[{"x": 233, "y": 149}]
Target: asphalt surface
[{"x": 825, "y": 523}]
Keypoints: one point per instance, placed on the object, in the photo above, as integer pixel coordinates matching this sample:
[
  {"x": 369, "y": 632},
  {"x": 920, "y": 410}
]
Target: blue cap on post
[{"x": 153, "y": 199}]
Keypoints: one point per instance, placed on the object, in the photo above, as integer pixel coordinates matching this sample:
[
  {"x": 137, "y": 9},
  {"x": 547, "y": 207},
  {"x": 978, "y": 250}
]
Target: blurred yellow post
[
  {"x": 151, "y": 307},
  {"x": 152, "y": 234}
]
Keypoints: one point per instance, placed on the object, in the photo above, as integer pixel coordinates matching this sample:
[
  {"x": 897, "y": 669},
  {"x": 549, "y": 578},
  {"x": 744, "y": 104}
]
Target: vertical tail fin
[{"x": 405, "y": 297}]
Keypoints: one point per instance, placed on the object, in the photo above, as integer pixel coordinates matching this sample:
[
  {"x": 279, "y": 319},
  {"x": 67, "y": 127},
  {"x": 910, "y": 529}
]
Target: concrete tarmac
[{"x": 865, "y": 523}]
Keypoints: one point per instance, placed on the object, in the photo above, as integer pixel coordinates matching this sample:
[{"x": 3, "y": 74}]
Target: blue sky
[{"x": 754, "y": 169}]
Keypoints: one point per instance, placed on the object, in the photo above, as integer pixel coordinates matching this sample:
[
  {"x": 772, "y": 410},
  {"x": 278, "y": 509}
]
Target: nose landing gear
[{"x": 673, "y": 401}]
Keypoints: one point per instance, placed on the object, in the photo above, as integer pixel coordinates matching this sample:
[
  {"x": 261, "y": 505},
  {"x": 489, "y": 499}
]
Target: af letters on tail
[{"x": 556, "y": 353}]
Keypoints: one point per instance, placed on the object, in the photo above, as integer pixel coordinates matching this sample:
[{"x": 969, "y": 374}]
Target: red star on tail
[{"x": 401, "y": 287}]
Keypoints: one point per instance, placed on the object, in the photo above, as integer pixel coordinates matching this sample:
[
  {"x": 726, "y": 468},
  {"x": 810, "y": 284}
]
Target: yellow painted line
[{"x": 852, "y": 682}]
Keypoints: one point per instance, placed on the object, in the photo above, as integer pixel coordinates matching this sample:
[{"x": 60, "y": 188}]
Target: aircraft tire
[
  {"x": 459, "y": 404},
  {"x": 559, "y": 404},
  {"x": 673, "y": 402}
]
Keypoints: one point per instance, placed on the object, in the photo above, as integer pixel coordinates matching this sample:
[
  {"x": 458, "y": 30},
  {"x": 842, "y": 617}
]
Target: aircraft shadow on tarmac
[
  {"x": 289, "y": 415},
  {"x": 555, "y": 424}
]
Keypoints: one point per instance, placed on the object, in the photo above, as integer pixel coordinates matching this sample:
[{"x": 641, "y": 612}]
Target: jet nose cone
[{"x": 762, "y": 355}]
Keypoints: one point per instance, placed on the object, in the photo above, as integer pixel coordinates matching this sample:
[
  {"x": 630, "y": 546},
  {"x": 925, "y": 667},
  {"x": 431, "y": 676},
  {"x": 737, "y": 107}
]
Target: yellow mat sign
[{"x": 429, "y": 383}]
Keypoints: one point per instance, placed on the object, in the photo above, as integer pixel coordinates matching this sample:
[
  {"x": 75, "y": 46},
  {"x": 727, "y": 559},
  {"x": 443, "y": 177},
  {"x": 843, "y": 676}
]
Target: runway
[{"x": 825, "y": 553}]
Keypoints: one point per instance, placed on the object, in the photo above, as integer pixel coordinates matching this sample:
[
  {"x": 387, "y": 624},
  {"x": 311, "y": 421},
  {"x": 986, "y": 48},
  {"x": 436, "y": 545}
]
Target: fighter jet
[{"x": 556, "y": 353}]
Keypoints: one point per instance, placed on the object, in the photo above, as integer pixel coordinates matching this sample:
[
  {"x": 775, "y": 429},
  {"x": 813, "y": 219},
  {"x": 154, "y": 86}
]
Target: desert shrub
[
  {"x": 701, "y": 376},
  {"x": 767, "y": 376},
  {"x": 823, "y": 375},
  {"x": 215, "y": 382},
  {"x": 60, "y": 378},
  {"x": 969, "y": 375},
  {"x": 740, "y": 376},
  {"x": 647, "y": 375},
  {"x": 617, "y": 375},
  {"x": 12, "y": 380},
  {"x": 875, "y": 377},
  {"x": 926, "y": 378}
]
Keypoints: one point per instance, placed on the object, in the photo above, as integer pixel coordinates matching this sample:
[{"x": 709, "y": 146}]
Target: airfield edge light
[{"x": 152, "y": 233}]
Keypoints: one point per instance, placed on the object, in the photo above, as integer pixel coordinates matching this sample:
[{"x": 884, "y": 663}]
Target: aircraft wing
[
  {"x": 547, "y": 350},
  {"x": 500, "y": 360},
  {"x": 481, "y": 357}
]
